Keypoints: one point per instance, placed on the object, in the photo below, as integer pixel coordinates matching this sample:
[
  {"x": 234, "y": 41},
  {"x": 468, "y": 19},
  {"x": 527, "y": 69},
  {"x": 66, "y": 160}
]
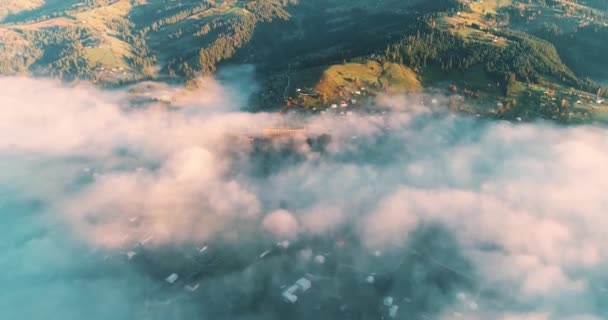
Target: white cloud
[
  {"x": 535, "y": 193},
  {"x": 281, "y": 224}
]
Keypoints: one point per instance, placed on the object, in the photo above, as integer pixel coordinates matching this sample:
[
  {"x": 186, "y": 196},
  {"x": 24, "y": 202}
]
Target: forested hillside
[
  {"x": 505, "y": 49},
  {"x": 127, "y": 40}
]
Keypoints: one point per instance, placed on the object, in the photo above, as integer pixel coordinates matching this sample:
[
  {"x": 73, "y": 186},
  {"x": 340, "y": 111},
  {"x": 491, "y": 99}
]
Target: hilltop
[{"x": 505, "y": 58}]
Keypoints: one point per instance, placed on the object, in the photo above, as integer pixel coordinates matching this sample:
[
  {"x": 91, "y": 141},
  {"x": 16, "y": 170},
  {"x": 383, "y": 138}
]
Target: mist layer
[{"x": 471, "y": 218}]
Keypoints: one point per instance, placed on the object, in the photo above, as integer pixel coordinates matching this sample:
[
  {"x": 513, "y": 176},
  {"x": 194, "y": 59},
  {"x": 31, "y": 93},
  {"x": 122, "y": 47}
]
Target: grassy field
[
  {"x": 103, "y": 57},
  {"x": 34, "y": 9},
  {"x": 111, "y": 51},
  {"x": 462, "y": 22},
  {"x": 489, "y": 6},
  {"x": 102, "y": 47},
  {"x": 15, "y": 6},
  {"x": 350, "y": 76}
]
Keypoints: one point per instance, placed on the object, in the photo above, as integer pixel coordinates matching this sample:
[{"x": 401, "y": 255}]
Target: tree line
[{"x": 526, "y": 58}]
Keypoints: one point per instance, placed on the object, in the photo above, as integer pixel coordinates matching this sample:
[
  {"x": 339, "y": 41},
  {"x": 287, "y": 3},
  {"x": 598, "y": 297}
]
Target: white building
[
  {"x": 290, "y": 297},
  {"x": 284, "y": 244},
  {"x": 320, "y": 259},
  {"x": 131, "y": 254},
  {"x": 172, "y": 278},
  {"x": 392, "y": 311},
  {"x": 304, "y": 284},
  {"x": 388, "y": 301},
  {"x": 370, "y": 279}
]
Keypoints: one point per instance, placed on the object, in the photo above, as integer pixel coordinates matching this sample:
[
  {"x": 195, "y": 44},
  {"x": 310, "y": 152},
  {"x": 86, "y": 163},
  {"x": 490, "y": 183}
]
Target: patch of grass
[
  {"x": 489, "y": 6},
  {"x": 111, "y": 50},
  {"x": 462, "y": 22},
  {"x": 103, "y": 56},
  {"x": 99, "y": 18},
  {"x": 399, "y": 78},
  {"x": 8, "y": 7},
  {"x": 50, "y": 23},
  {"x": 349, "y": 76},
  {"x": 34, "y": 9}
]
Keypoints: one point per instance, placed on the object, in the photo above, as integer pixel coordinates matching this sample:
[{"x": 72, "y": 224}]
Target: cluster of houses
[
  {"x": 115, "y": 70},
  {"x": 112, "y": 73},
  {"x": 313, "y": 275},
  {"x": 342, "y": 107},
  {"x": 186, "y": 269},
  {"x": 498, "y": 39},
  {"x": 566, "y": 104},
  {"x": 549, "y": 103}
]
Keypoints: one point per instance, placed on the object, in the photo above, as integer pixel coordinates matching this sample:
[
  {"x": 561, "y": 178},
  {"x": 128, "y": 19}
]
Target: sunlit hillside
[{"x": 494, "y": 51}]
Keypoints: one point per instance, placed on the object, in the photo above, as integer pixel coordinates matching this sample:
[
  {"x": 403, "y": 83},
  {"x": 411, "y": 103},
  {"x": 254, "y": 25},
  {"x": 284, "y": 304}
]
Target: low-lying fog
[{"x": 465, "y": 217}]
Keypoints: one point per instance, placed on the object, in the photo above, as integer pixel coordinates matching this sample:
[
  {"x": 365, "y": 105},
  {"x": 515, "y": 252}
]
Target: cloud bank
[{"x": 520, "y": 207}]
